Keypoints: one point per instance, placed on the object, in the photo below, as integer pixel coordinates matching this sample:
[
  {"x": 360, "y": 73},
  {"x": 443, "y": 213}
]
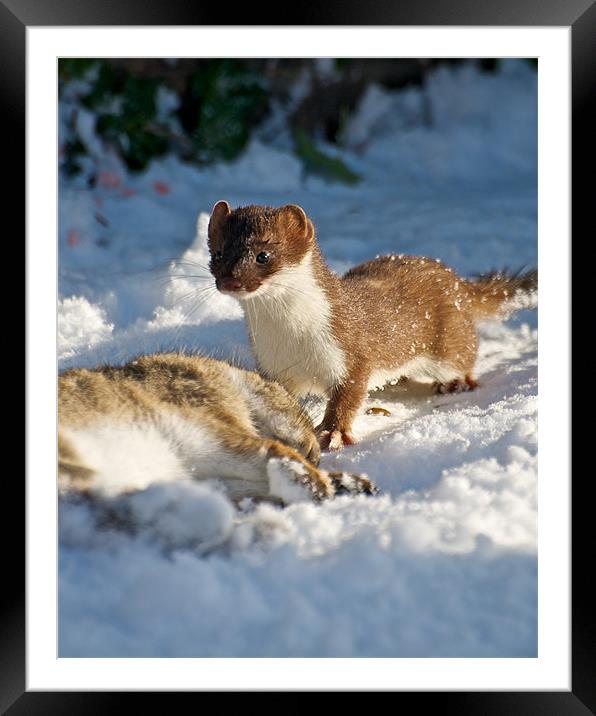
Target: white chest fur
[{"x": 289, "y": 321}]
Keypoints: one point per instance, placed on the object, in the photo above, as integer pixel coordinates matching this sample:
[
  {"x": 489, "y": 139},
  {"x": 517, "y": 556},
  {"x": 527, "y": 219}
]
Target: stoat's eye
[
  {"x": 263, "y": 257},
  {"x": 217, "y": 256}
]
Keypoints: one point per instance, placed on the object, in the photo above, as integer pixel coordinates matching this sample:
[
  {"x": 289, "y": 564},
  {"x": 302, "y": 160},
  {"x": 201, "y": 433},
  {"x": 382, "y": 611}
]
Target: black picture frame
[{"x": 580, "y": 16}]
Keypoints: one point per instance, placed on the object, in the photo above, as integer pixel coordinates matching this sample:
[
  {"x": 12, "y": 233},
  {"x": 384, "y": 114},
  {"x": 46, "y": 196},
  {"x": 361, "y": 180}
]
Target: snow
[{"x": 443, "y": 562}]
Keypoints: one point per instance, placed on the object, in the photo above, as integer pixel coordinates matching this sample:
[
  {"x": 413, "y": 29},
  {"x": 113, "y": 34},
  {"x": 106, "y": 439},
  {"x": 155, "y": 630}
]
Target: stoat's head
[{"x": 251, "y": 244}]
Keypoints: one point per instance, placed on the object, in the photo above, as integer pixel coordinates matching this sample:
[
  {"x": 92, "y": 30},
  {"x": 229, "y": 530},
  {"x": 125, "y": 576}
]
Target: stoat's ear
[
  {"x": 220, "y": 213},
  {"x": 295, "y": 224}
]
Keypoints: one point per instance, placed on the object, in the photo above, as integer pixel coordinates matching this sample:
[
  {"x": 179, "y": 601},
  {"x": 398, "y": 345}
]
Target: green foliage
[
  {"x": 73, "y": 150},
  {"x": 491, "y": 64},
  {"x": 71, "y": 68},
  {"x": 125, "y": 109},
  {"x": 230, "y": 100},
  {"x": 130, "y": 122},
  {"x": 222, "y": 102},
  {"x": 316, "y": 162}
]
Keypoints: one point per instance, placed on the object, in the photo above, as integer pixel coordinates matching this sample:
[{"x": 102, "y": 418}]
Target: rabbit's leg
[
  {"x": 254, "y": 466},
  {"x": 285, "y": 473},
  {"x": 279, "y": 416}
]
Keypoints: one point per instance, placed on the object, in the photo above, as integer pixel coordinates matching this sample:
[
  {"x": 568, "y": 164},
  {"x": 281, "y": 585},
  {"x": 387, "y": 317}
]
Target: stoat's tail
[{"x": 499, "y": 293}]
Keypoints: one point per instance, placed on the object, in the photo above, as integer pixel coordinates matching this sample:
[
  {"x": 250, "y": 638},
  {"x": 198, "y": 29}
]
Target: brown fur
[{"x": 384, "y": 313}]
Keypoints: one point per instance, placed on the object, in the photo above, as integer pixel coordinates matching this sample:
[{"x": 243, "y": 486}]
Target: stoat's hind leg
[{"x": 459, "y": 385}]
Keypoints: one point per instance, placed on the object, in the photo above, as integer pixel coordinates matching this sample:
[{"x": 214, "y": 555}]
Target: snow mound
[{"x": 80, "y": 325}]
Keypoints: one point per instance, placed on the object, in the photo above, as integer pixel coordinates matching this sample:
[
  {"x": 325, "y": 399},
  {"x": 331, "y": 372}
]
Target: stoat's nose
[{"x": 229, "y": 284}]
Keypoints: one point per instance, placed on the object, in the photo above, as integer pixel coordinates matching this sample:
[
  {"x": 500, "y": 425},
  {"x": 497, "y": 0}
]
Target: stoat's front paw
[
  {"x": 335, "y": 439},
  {"x": 346, "y": 483}
]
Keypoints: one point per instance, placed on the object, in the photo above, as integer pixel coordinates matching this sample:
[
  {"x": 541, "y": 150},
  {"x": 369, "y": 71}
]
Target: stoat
[
  {"x": 316, "y": 332},
  {"x": 167, "y": 417}
]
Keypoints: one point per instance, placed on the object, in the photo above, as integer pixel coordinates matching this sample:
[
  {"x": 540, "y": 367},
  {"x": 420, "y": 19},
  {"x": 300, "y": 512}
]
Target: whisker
[
  {"x": 167, "y": 264},
  {"x": 191, "y": 311},
  {"x": 166, "y": 279},
  {"x": 178, "y": 261},
  {"x": 189, "y": 275},
  {"x": 193, "y": 292}
]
